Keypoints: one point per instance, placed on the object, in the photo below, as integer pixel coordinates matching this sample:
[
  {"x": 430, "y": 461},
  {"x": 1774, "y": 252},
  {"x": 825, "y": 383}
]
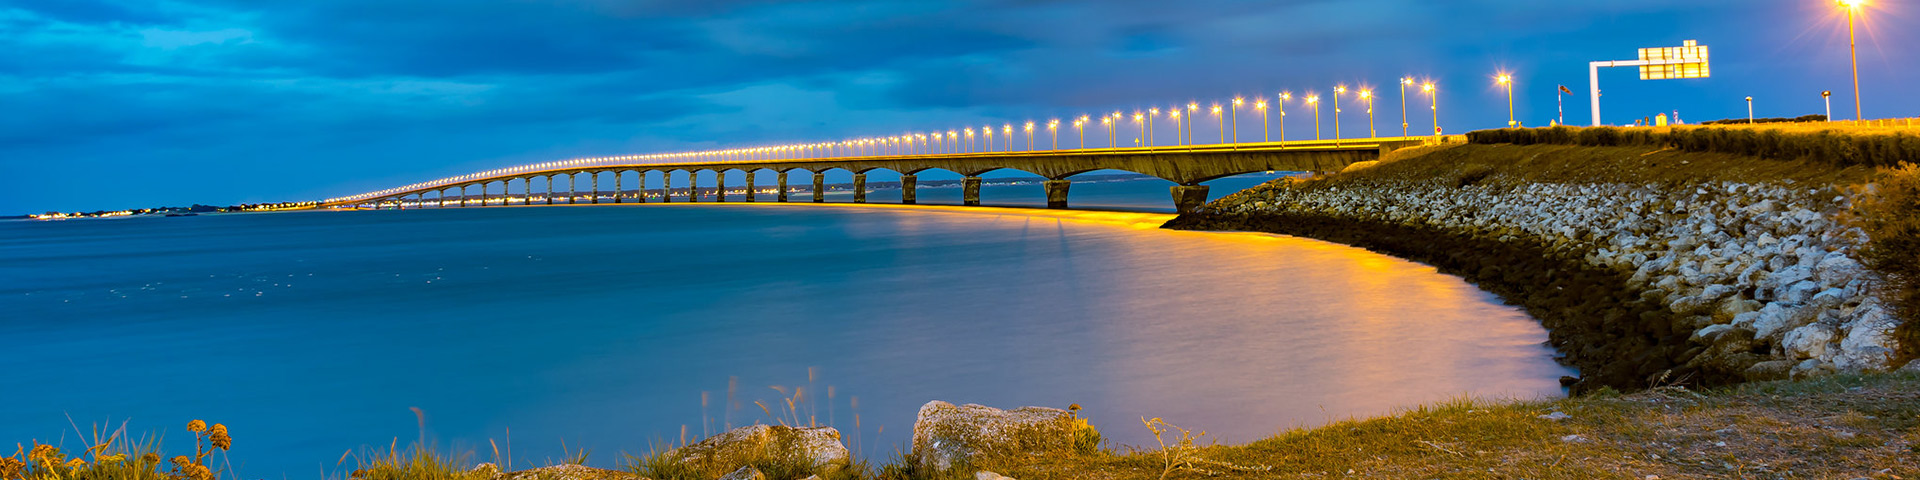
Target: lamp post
[
  {"x": 987, "y": 133},
  {"x": 1405, "y": 128},
  {"x": 1434, "y": 97},
  {"x": 1111, "y": 142},
  {"x": 1337, "y": 91},
  {"x": 1152, "y": 113},
  {"x": 1749, "y": 109},
  {"x": 1140, "y": 140},
  {"x": 1193, "y": 110},
  {"x": 1029, "y": 129},
  {"x": 1853, "y": 52},
  {"x": 1265, "y": 135},
  {"x": 1080, "y": 129},
  {"x": 1236, "y": 119},
  {"x": 1368, "y": 96},
  {"x": 1053, "y": 130},
  {"x": 1506, "y": 80},
  {"x": 1006, "y": 132},
  {"x": 1827, "y": 96},
  {"x": 1314, "y": 100},
  {"x": 1282, "y": 106}
]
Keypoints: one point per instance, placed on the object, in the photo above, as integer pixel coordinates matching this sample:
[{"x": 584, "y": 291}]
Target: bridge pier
[
  {"x": 819, "y": 187},
  {"x": 666, "y": 186},
  {"x": 970, "y": 191},
  {"x": 909, "y": 186},
  {"x": 859, "y": 188},
  {"x": 548, "y": 195},
  {"x": 528, "y": 199},
  {"x": 749, "y": 185},
  {"x": 1057, "y": 192},
  {"x": 1186, "y": 198},
  {"x": 781, "y": 179},
  {"x": 720, "y": 186},
  {"x": 693, "y": 186},
  {"x": 573, "y": 194},
  {"x": 617, "y": 191},
  {"x": 594, "y": 196},
  {"x": 463, "y": 196},
  {"x": 640, "y": 195}
]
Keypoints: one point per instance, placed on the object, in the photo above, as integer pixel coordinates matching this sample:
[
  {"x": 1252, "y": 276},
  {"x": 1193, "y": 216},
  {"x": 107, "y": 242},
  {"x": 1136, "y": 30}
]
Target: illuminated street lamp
[
  {"x": 1506, "y": 80},
  {"x": 1368, "y": 96},
  {"x": 1140, "y": 140},
  {"x": 1108, "y": 121},
  {"x": 1261, "y": 105},
  {"x": 1080, "y": 129},
  {"x": 1405, "y": 128},
  {"x": 987, "y": 131},
  {"x": 1282, "y": 106},
  {"x": 1749, "y": 109},
  {"x": 1193, "y": 110},
  {"x": 970, "y": 145},
  {"x": 1853, "y": 52},
  {"x": 1236, "y": 118},
  {"x": 1053, "y": 130},
  {"x": 1029, "y": 129},
  {"x": 1434, "y": 97},
  {"x": 1314, "y": 100},
  {"x": 1152, "y": 113},
  {"x": 1006, "y": 131},
  {"x": 1337, "y": 92}
]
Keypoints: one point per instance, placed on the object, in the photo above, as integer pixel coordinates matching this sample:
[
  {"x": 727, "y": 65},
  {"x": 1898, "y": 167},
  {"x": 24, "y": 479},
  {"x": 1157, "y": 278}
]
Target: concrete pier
[
  {"x": 463, "y": 195},
  {"x": 970, "y": 191},
  {"x": 693, "y": 186},
  {"x": 1188, "y": 197},
  {"x": 666, "y": 186},
  {"x": 819, "y": 187},
  {"x": 859, "y": 188},
  {"x": 617, "y": 191},
  {"x": 720, "y": 186},
  {"x": 573, "y": 194},
  {"x": 640, "y": 187},
  {"x": 909, "y": 189},
  {"x": 749, "y": 185},
  {"x": 781, "y": 179},
  {"x": 1057, "y": 192},
  {"x": 549, "y": 193},
  {"x": 594, "y": 197}
]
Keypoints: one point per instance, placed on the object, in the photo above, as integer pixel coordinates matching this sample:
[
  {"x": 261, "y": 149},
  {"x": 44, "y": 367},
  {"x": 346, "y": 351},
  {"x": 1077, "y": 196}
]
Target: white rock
[
  {"x": 1710, "y": 333},
  {"x": 1811, "y": 341},
  {"x": 1800, "y": 292},
  {"x": 1555, "y": 416},
  {"x": 745, "y": 473},
  {"x": 1776, "y": 319},
  {"x": 986, "y": 475}
]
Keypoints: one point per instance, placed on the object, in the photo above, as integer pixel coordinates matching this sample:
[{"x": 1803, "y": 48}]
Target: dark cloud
[{"x": 186, "y": 101}]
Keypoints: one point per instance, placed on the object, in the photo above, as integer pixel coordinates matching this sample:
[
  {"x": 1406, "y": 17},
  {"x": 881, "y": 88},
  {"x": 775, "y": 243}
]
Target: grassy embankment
[{"x": 1845, "y": 426}]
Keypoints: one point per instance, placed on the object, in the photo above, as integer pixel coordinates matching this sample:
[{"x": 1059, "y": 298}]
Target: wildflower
[
  {"x": 218, "y": 436},
  {"x": 45, "y": 454},
  {"x": 181, "y": 461},
  {"x": 10, "y": 467},
  {"x": 111, "y": 459},
  {"x": 76, "y": 463},
  {"x": 197, "y": 472},
  {"x": 196, "y": 426},
  {"x": 150, "y": 458}
]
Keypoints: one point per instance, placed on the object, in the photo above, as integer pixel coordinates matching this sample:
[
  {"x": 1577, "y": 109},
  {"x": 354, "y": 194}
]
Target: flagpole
[{"x": 1560, "y": 104}]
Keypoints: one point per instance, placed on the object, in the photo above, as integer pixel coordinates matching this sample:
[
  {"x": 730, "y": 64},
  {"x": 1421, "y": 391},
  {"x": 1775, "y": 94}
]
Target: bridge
[{"x": 1187, "y": 166}]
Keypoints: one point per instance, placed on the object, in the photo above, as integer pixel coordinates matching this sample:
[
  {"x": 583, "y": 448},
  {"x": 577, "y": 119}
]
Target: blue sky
[{"x": 118, "y": 103}]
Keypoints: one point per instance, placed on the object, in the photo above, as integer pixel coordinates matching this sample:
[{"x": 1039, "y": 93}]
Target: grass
[
  {"x": 1842, "y": 426},
  {"x": 111, "y": 455},
  {"x": 1890, "y": 214},
  {"x": 1884, "y": 144}
]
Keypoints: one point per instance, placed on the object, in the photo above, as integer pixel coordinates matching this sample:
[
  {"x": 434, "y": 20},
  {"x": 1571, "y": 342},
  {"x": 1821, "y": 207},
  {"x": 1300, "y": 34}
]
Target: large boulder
[
  {"x": 819, "y": 446},
  {"x": 946, "y": 435}
]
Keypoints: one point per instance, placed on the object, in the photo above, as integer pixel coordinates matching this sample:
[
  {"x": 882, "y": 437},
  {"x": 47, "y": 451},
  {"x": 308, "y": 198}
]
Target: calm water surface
[{"x": 602, "y": 327}]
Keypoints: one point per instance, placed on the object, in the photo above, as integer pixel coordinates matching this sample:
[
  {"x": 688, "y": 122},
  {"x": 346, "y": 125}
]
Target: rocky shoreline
[{"x": 1640, "y": 285}]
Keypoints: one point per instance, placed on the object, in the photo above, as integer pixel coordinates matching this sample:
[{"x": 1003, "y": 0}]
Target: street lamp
[
  {"x": 1236, "y": 119},
  {"x": 1314, "y": 100},
  {"x": 1193, "y": 110},
  {"x": 1152, "y": 113},
  {"x": 1261, "y": 105},
  {"x": 1405, "y": 128},
  {"x": 1827, "y": 96},
  {"x": 1029, "y": 129},
  {"x": 1006, "y": 131},
  {"x": 1337, "y": 91},
  {"x": 1434, "y": 97},
  {"x": 1111, "y": 142},
  {"x": 987, "y": 131},
  {"x": 1053, "y": 130},
  {"x": 1368, "y": 96},
  {"x": 1080, "y": 130},
  {"x": 1749, "y": 109},
  {"x": 1282, "y": 105},
  {"x": 1853, "y": 51},
  {"x": 1143, "y": 128},
  {"x": 1178, "y": 132},
  {"x": 1506, "y": 80}
]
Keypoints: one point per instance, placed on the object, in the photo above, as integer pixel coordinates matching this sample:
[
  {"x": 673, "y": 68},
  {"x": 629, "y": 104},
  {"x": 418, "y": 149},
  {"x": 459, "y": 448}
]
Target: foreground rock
[
  {"x": 557, "y": 472},
  {"x": 1639, "y": 284},
  {"x": 819, "y": 447},
  {"x": 946, "y": 435}
]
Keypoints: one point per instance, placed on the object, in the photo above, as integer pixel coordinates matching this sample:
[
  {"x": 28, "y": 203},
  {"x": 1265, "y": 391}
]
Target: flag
[{"x": 1563, "y": 89}]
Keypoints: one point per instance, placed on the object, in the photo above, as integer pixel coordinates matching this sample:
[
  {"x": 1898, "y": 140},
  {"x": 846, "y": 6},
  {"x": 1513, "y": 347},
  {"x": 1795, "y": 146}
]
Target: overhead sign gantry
[{"x": 1668, "y": 63}]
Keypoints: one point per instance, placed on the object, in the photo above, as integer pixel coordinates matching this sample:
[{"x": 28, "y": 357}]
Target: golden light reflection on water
[{"x": 1336, "y": 331}]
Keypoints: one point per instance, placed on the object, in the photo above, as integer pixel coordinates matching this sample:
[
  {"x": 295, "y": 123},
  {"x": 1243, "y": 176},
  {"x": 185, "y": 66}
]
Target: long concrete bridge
[{"x": 1185, "y": 166}]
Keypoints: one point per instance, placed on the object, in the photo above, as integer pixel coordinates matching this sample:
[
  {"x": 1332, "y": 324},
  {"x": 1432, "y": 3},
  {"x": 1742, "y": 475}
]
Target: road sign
[{"x": 1686, "y": 61}]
